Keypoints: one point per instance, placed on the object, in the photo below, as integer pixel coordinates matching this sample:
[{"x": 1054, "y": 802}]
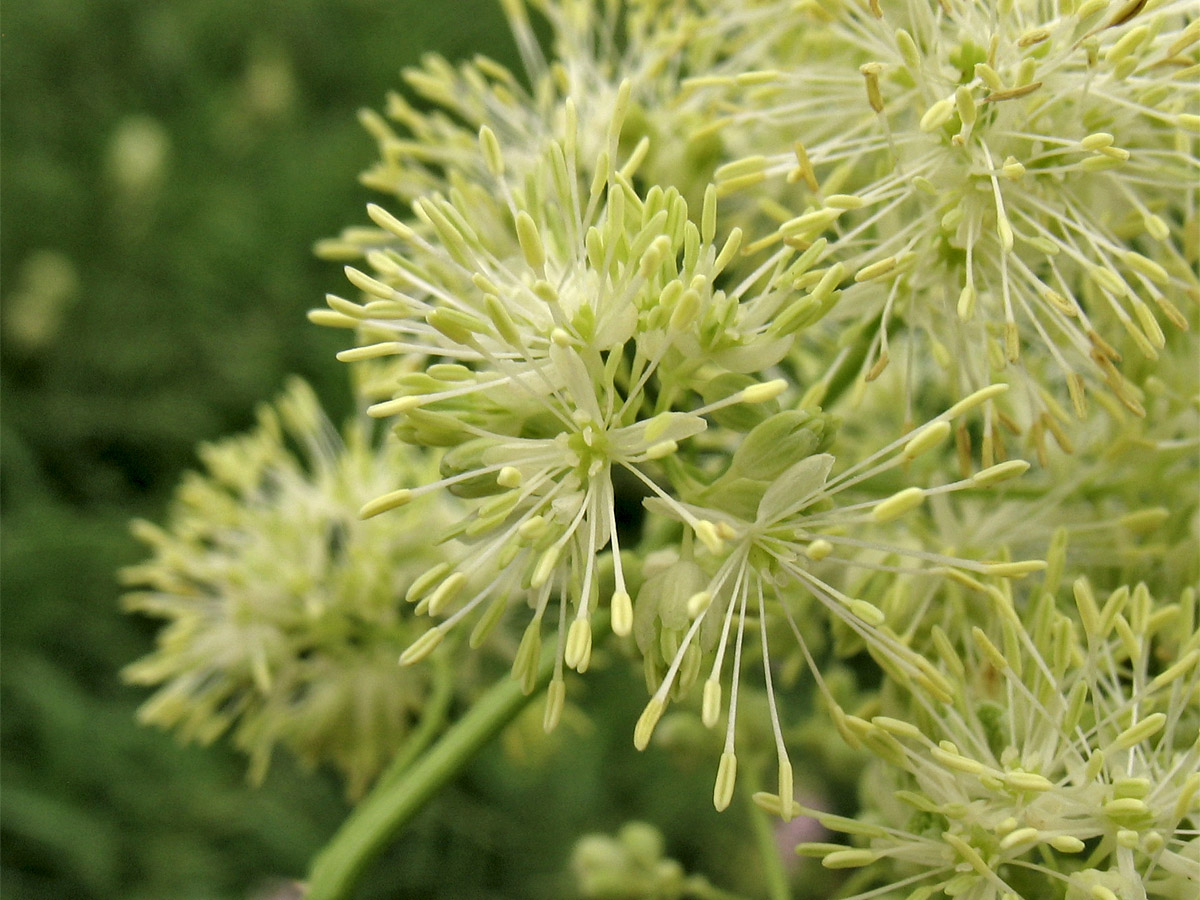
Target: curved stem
[{"x": 399, "y": 796}]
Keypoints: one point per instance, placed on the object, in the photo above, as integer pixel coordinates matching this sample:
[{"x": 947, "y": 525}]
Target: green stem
[
  {"x": 778, "y": 884},
  {"x": 396, "y": 800}
]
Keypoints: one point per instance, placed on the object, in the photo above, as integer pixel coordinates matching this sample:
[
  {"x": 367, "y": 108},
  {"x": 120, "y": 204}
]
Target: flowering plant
[{"x": 727, "y": 341}]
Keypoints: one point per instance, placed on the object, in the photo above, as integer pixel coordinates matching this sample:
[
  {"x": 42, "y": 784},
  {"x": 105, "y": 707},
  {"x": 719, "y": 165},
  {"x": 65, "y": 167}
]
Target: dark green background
[{"x": 181, "y": 307}]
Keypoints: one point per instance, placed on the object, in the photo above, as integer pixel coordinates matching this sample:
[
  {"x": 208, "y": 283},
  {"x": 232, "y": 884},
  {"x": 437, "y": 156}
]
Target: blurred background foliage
[{"x": 167, "y": 167}]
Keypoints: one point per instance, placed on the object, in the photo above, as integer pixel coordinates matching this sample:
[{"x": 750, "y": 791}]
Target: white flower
[
  {"x": 283, "y": 623},
  {"x": 993, "y": 177},
  {"x": 771, "y": 524},
  {"x": 1067, "y": 761}
]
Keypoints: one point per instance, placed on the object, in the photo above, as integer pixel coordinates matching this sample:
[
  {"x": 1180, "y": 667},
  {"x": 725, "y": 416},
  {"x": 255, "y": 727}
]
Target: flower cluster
[
  {"x": 279, "y": 599},
  {"x": 1067, "y": 762},
  {"x": 1000, "y": 178},
  {"x": 722, "y": 329}
]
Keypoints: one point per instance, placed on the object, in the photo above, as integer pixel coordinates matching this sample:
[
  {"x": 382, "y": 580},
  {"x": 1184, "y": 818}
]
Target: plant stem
[
  {"x": 395, "y": 800},
  {"x": 778, "y": 887}
]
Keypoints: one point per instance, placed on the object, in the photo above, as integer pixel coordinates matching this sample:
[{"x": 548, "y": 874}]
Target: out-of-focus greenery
[{"x": 167, "y": 167}]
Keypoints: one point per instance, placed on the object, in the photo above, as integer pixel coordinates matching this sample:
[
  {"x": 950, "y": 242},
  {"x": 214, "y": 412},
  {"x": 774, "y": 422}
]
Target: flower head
[
  {"x": 562, "y": 331},
  {"x": 773, "y": 524},
  {"x": 1003, "y": 178},
  {"x": 1067, "y": 762},
  {"x": 281, "y": 604}
]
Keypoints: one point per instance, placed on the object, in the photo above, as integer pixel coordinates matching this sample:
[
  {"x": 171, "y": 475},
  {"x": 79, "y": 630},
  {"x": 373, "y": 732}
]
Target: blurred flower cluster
[{"x": 758, "y": 343}]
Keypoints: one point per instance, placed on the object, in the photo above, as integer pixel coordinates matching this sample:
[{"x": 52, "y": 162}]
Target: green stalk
[{"x": 395, "y": 801}]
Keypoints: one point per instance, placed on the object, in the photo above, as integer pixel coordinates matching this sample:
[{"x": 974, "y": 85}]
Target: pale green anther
[
  {"x": 1012, "y": 169},
  {"x": 926, "y": 439},
  {"x": 421, "y": 647},
  {"x": 456, "y": 325},
  {"x": 1101, "y": 163},
  {"x": 698, "y": 603},
  {"x": 965, "y": 103},
  {"x": 1126, "y": 808},
  {"x": 1065, "y": 843},
  {"x": 867, "y": 612},
  {"x": 1150, "y": 327},
  {"x": 989, "y": 649},
  {"x": 726, "y": 780},
  {"x": 1019, "y": 836},
  {"x": 1175, "y": 671},
  {"x": 968, "y": 853},
  {"x": 1000, "y": 472},
  {"x": 579, "y": 644},
  {"x": 647, "y": 721},
  {"x": 388, "y": 222},
  {"x": 975, "y": 399},
  {"x": 818, "y": 550},
  {"x": 661, "y": 450},
  {"x": 849, "y": 859},
  {"x": 385, "y": 503},
  {"x": 924, "y": 185},
  {"x": 732, "y": 244},
  {"x": 545, "y": 566},
  {"x": 710, "y": 706},
  {"x": 800, "y": 313},
  {"x": 966, "y": 302},
  {"x": 1187, "y": 794},
  {"x": 1028, "y": 781},
  {"x": 1126, "y": 45},
  {"x": 1132, "y": 787},
  {"x": 533, "y": 528},
  {"x": 556, "y": 695},
  {"x": 750, "y": 165},
  {"x": 707, "y": 532},
  {"x": 487, "y": 622},
  {"x": 810, "y": 223},
  {"x": 876, "y": 269},
  {"x": 622, "y": 613},
  {"x": 654, "y": 255},
  {"x": 1017, "y": 569},
  {"x": 371, "y": 351},
  {"x": 1146, "y": 266},
  {"x": 898, "y": 504},
  {"x": 829, "y": 281},
  {"x": 764, "y": 392},
  {"x": 441, "y": 598},
  {"x": 937, "y": 115},
  {"x": 530, "y": 240},
  {"x": 787, "y": 789},
  {"x": 509, "y": 477},
  {"x": 685, "y": 311},
  {"x": 708, "y": 214},
  {"x": 844, "y": 201},
  {"x": 908, "y": 50},
  {"x": 492, "y": 155},
  {"x": 1097, "y": 141},
  {"x": 620, "y": 108},
  {"x": 369, "y": 285},
  {"x": 988, "y": 76},
  {"x": 1190, "y": 121},
  {"x": 1143, "y": 730},
  {"x": 897, "y": 727}
]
